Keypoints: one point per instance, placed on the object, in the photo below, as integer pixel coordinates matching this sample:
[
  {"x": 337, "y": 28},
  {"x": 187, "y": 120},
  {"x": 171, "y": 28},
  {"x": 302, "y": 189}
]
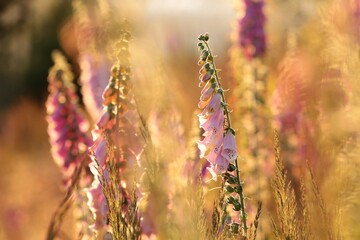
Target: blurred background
[
  {"x": 309, "y": 70},
  {"x": 30, "y": 181}
]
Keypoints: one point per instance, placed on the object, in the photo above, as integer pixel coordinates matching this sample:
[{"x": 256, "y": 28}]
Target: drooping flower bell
[{"x": 229, "y": 147}]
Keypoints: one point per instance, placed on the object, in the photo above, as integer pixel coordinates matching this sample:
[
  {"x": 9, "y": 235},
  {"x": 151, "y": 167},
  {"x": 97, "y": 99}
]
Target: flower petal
[{"x": 229, "y": 147}]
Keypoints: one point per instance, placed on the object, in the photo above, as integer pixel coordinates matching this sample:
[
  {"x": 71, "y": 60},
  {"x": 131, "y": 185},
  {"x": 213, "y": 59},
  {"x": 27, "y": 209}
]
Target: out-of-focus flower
[
  {"x": 115, "y": 139},
  {"x": 93, "y": 79},
  {"x": 116, "y": 152},
  {"x": 93, "y": 60},
  {"x": 67, "y": 127},
  {"x": 97, "y": 205},
  {"x": 252, "y": 36},
  {"x": 292, "y": 102}
]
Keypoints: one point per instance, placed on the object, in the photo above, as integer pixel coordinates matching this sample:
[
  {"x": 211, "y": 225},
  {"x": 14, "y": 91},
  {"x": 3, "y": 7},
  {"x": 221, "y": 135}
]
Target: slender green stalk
[
  {"x": 228, "y": 120},
  {"x": 227, "y": 112}
]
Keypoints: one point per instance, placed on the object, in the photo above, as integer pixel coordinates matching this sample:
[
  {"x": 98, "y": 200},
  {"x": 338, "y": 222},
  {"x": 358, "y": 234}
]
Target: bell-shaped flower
[
  {"x": 202, "y": 104},
  {"x": 209, "y": 143},
  {"x": 213, "y": 124},
  {"x": 109, "y": 91},
  {"x": 229, "y": 147},
  {"x": 220, "y": 166},
  {"x": 212, "y": 172},
  {"x": 214, "y": 104},
  {"x": 215, "y": 152},
  {"x": 206, "y": 87},
  {"x": 205, "y": 77},
  {"x": 207, "y": 94}
]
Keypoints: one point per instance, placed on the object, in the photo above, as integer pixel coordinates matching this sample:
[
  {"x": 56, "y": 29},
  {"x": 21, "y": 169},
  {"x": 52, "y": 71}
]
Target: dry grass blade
[
  {"x": 256, "y": 220},
  {"x": 305, "y": 224},
  {"x": 285, "y": 200},
  {"x": 321, "y": 203}
]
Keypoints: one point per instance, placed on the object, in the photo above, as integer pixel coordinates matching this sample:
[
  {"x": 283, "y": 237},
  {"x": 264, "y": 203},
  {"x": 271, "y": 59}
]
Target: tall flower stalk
[
  {"x": 67, "y": 127},
  {"x": 67, "y": 130},
  {"x": 116, "y": 152},
  {"x": 218, "y": 145},
  {"x": 249, "y": 99}
]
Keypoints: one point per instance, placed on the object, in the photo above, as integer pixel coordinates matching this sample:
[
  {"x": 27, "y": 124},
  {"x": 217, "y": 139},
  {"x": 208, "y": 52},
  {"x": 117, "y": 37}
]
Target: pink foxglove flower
[
  {"x": 214, "y": 104},
  {"x": 210, "y": 144},
  {"x": 213, "y": 124},
  {"x": 219, "y": 166},
  {"x": 67, "y": 127},
  {"x": 217, "y": 150},
  {"x": 229, "y": 147}
]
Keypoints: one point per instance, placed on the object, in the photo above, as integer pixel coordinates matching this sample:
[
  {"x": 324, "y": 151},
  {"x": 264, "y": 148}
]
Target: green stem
[
  {"x": 227, "y": 113},
  {"x": 241, "y": 194}
]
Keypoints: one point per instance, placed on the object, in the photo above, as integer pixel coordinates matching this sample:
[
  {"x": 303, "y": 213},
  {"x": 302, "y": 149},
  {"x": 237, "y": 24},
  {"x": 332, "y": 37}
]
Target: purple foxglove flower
[
  {"x": 252, "y": 36},
  {"x": 212, "y": 105},
  {"x": 218, "y": 167},
  {"x": 67, "y": 128},
  {"x": 104, "y": 121}
]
